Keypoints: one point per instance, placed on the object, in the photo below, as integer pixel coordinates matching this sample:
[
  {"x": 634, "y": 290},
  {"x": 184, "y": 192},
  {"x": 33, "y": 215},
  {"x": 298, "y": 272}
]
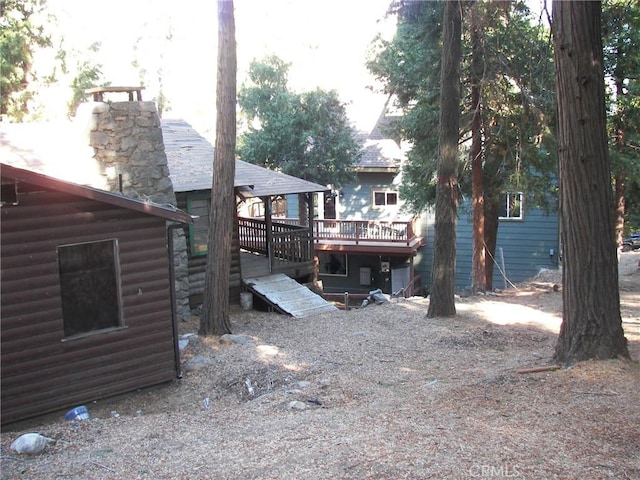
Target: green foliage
[
  {"x": 88, "y": 75},
  {"x": 621, "y": 46},
  {"x": 517, "y": 98},
  {"x": 20, "y": 34},
  {"x": 306, "y": 135},
  {"x": 409, "y": 68}
]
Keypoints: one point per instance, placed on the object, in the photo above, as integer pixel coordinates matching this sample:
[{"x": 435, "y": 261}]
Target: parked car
[{"x": 632, "y": 242}]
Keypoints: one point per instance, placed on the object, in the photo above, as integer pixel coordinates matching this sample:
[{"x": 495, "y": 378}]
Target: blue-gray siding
[
  {"x": 356, "y": 199},
  {"x": 525, "y": 245}
]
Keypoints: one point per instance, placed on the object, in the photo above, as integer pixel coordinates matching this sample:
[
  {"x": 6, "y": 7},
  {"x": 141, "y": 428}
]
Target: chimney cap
[{"x": 98, "y": 92}]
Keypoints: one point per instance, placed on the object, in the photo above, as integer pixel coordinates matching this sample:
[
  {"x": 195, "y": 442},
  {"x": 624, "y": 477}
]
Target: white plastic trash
[
  {"x": 246, "y": 300},
  {"x": 30, "y": 443}
]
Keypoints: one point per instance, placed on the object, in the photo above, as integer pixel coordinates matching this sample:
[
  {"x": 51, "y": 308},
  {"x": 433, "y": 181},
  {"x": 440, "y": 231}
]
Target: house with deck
[
  {"x": 183, "y": 166},
  {"x": 95, "y": 262},
  {"x": 365, "y": 240},
  {"x": 271, "y": 257}
]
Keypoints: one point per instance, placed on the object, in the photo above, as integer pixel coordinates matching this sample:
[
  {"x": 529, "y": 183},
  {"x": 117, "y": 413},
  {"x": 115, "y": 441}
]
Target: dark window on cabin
[
  {"x": 199, "y": 229},
  {"x": 89, "y": 285},
  {"x": 9, "y": 194}
]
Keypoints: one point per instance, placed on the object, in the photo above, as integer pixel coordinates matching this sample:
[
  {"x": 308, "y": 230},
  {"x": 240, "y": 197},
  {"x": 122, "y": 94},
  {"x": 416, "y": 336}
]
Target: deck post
[
  {"x": 269, "y": 230},
  {"x": 311, "y": 241}
]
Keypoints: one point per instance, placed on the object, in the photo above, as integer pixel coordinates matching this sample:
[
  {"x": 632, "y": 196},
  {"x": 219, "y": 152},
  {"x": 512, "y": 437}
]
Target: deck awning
[{"x": 190, "y": 159}]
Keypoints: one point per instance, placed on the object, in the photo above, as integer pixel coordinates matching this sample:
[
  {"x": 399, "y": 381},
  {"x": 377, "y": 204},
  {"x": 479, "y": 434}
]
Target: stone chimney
[{"x": 126, "y": 137}]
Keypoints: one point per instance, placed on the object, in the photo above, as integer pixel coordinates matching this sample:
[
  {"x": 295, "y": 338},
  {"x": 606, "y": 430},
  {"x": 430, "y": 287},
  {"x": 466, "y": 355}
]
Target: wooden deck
[
  {"x": 253, "y": 265},
  {"x": 256, "y": 265}
]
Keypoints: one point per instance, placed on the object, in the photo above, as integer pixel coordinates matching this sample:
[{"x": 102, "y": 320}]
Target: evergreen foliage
[
  {"x": 307, "y": 135},
  {"x": 20, "y": 33},
  {"x": 621, "y": 48},
  {"x": 517, "y": 96}
]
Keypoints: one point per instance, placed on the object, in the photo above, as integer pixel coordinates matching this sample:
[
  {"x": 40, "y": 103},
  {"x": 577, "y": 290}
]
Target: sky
[{"x": 325, "y": 42}]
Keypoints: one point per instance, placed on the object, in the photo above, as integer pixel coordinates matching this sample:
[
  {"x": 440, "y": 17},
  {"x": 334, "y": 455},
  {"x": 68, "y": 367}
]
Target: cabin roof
[
  {"x": 49, "y": 155},
  {"x": 167, "y": 212},
  {"x": 190, "y": 159},
  {"x": 381, "y": 153},
  {"x": 51, "y": 149}
]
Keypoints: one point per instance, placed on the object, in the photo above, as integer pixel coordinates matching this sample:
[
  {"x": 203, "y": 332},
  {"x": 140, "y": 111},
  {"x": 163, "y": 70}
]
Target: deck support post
[{"x": 269, "y": 227}]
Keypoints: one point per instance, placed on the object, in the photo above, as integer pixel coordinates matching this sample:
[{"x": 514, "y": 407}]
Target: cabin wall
[
  {"x": 42, "y": 371},
  {"x": 197, "y": 264}
]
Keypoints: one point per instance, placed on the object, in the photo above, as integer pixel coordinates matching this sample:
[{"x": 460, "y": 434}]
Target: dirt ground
[{"x": 380, "y": 392}]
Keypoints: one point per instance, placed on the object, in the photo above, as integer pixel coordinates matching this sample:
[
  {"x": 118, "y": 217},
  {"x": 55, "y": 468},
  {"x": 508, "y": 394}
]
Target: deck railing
[
  {"x": 253, "y": 235},
  {"x": 289, "y": 243},
  {"x": 292, "y": 243},
  {"x": 364, "y": 231}
]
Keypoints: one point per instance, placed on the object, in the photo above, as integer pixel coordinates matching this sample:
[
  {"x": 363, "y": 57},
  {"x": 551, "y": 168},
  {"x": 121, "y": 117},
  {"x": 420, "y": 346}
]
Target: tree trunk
[
  {"x": 619, "y": 142},
  {"x": 478, "y": 265},
  {"x": 303, "y": 210},
  {"x": 620, "y": 202},
  {"x": 215, "y": 309},
  {"x": 442, "y": 302},
  {"x": 490, "y": 240},
  {"x": 591, "y": 325}
]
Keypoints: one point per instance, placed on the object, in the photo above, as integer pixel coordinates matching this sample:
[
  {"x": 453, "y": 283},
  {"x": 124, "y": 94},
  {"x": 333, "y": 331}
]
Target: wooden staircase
[{"x": 288, "y": 296}]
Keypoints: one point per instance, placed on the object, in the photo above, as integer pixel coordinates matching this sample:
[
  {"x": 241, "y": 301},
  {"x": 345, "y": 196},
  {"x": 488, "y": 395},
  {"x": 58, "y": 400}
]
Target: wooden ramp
[{"x": 288, "y": 296}]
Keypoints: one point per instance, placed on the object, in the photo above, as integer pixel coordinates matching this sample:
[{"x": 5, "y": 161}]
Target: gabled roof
[
  {"x": 190, "y": 159},
  {"x": 44, "y": 181},
  {"x": 381, "y": 152},
  {"x": 52, "y": 149},
  {"x": 380, "y": 155},
  {"x": 51, "y": 156}
]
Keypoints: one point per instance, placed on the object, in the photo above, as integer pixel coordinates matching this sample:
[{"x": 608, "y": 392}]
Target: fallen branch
[
  {"x": 596, "y": 393},
  {"x": 548, "y": 368},
  {"x": 103, "y": 466}
]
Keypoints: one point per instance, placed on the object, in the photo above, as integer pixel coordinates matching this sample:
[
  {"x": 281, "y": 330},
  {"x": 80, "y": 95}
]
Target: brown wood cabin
[
  {"x": 262, "y": 243},
  {"x": 87, "y": 294}
]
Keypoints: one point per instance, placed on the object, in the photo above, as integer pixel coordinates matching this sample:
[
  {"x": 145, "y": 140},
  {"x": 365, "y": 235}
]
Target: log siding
[{"x": 42, "y": 371}]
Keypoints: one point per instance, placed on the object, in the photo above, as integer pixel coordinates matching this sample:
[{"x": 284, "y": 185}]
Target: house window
[
  {"x": 9, "y": 194},
  {"x": 90, "y": 286},
  {"x": 332, "y": 263},
  {"x": 256, "y": 209},
  {"x": 279, "y": 207},
  {"x": 384, "y": 198},
  {"x": 199, "y": 229},
  {"x": 511, "y": 206}
]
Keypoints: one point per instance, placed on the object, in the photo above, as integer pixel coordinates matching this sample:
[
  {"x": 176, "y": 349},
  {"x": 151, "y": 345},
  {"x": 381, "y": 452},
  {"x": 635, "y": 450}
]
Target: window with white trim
[
  {"x": 384, "y": 198},
  {"x": 511, "y": 206}
]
